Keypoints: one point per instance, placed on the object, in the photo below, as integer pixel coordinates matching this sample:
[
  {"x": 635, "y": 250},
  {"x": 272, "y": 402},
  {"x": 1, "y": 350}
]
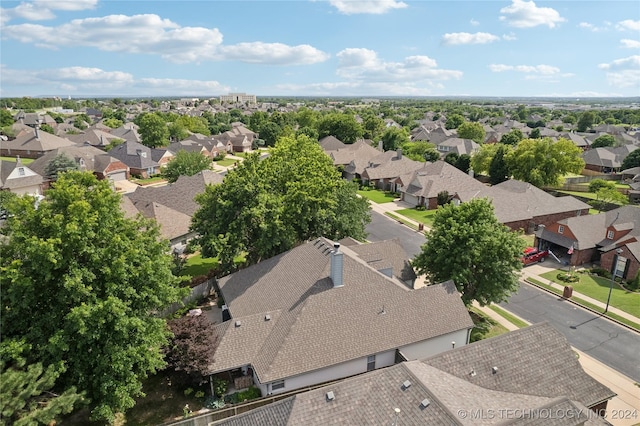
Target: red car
[{"x": 533, "y": 255}]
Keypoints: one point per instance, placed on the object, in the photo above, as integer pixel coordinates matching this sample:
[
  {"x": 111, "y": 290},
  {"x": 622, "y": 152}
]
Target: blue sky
[{"x": 320, "y": 48}]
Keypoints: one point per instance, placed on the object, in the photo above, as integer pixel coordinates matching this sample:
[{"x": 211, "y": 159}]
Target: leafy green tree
[
  {"x": 6, "y": 118},
  {"x": 113, "y": 143},
  {"x": 373, "y": 127},
  {"x": 586, "y": 120},
  {"x": 420, "y": 151},
  {"x": 342, "y": 126},
  {"x": 512, "y": 138},
  {"x": 463, "y": 163},
  {"x": 632, "y": 160},
  {"x": 178, "y": 132},
  {"x": 608, "y": 195},
  {"x": 498, "y": 169},
  {"x": 443, "y": 198},
  {"x": 603, "y": 141},
  {"x": 597, "y": 184},
  {"x": 153, "y": 130},
  {"x": 81, "y": 285},
  {"x": 185, "y": 164},
  {"x": 270, "y": 132},
  {"x": 308, "y": 131},
  {"x": 81, "y": 121},
  {"x": 481, "y": 159},
  {"x": 47, "y": 128},
  {"x": 306, "y": 117},
  {"x": 543, "y": 162},
  {"x": 393, "y": 138},
  {"x": 112, "y": 122},
  {"x": 468, "y": 245},
  {"x": 452, "y": 158},
  {"x": 266, "y": 207},
  {"x": 473, "y": 131},
  {"x": 569, "y": 119},
  {"x": 59, "y": 164},
  {"x": 453, "y": 121},
  {"x": 535, "y": 133},
  {"x": 431, "y": 155}
]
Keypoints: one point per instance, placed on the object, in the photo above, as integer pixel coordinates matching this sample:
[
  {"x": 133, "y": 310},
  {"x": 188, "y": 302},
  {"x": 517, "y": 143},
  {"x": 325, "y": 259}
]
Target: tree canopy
[
  {"x": 80, "y": 286},
  {"x": 513, "y": 137},
  {"x": 498, "y": 168},
  {"x": 59, "y": 164},
  {"x": 481, "y": 159},
  {"x": 632, "y": 160},
  {"x": 153, "y": 130},
  {"x": 473, "y": 131},
  {"x": 468, "y": 245},
  {"x": 543, "y": 162},
  {"x": 342, "y": 126},
  {"x": 603, "y": 141},
  {"x": 393, "y": 138},
  {"x": 265, "y": 207},
  {"x": 185, "y": 164},
  {"x": 453, "y": 121}
]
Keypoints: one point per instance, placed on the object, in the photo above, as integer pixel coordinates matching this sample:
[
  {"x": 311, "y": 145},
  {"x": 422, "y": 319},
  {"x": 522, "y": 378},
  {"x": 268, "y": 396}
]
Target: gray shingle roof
[
  {"x": 384, "y": 255},
  {"x": 389, "y": 165},
  {"x": 36, "y": 141},
  {"x": 433, "y": 178},
  {"x": 536, "y": 360},
  {"x": 6, "y": 167},
  {"x": 94, "y": 159},
  {"x": 320, "y": 325}
]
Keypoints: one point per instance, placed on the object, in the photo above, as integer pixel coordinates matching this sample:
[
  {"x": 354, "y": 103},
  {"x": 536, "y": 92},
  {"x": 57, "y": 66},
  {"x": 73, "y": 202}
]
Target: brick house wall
[
  {"x": 606, "y": 262},
  {"x": 580, "y": 257}
]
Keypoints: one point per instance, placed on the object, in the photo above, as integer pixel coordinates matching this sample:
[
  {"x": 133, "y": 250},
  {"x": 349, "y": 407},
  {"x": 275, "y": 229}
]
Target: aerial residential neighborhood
[{"x": 352, "y": 212}]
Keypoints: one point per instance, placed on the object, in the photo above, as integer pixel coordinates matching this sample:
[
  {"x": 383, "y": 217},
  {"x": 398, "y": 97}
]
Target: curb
[{"x": 593, "y": 311}]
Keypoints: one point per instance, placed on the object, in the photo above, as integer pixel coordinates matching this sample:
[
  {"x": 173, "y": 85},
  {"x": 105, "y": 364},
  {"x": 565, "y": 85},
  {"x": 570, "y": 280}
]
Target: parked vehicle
[{"x": 533, "y": 255}]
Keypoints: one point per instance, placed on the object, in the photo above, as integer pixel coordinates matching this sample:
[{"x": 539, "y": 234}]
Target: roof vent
[
  {"x": 494, "y": 370},
  {"x": 238, "y": 323},
  {"x": 406, "y": 385},
  {"x": 330, "y": 396},
  {"x": 267, "y": 317},
  {"x": 425, "y": 403},
  {"x": 473, "y": 373}
]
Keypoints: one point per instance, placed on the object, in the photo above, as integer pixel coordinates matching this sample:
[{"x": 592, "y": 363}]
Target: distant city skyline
[{"x": 339, "y": 48}]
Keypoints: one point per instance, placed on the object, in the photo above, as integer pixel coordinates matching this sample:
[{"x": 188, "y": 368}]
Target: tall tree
[
  {"x": 603, "y": 141},
  {"x": 266, "y": 207},
  {"x": 498, "y": 169},
  {"x": 453, "y": 121},
  {"x": 543, "y": 162},
  {"x": 80, "y": 286},
  {"x": 513, "y": 137},
  {"x": 342, "y": 126},
  {"x": 185, "y": 164},
  {"x": 373, "y": 126},
  {"x": 481, "y": 159},
  {"x": 153, "y": 130},
  {"x": 473, "y": 131},
  {"x": 468, "y": 245},
  {"x": 632, "y": 160},
  {"x": 393, "y": 138},
  {"x": 586, "y": 120},
  {"x": 59, "y": 164}
]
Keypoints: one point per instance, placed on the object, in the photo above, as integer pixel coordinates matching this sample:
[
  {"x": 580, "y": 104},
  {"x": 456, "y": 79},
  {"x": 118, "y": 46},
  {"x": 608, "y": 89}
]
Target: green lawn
[
  {"x": 598, "y": 288},
  {"x": 226, "y": 162},
  {"x": 485, "y": 327},
  {"x": 25, "y": 161},
  {"x": 197, "y": 265},
  {"x": 528, "y": 239},
  {"x": 508, "y": 316},
  {"x": 377, "y": 196},
  {"x": 422, "y": 216}
]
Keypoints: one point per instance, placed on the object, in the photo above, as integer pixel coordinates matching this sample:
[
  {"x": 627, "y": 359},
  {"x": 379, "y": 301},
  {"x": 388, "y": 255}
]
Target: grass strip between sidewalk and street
[
  {"x": 586, "y": 304},
  {"x": 508, "y": 316},
  {"x": 402, "y": 220}
]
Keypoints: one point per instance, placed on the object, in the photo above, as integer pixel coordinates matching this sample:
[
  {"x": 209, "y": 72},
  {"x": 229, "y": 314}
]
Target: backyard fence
[{"x": 198, "y": 292}]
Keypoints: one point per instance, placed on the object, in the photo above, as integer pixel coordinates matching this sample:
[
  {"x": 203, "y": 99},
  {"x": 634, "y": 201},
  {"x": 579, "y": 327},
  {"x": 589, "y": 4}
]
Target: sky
[{"x": 368, "y": 48}]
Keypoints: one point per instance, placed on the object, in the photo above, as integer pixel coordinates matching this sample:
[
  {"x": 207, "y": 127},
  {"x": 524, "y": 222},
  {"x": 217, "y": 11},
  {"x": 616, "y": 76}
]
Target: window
[
  {"x": 560, "y": 229},
  {"x": 21, "y": 171},
  {"x": 579, "y": 213},
  {"x": 277, "y": 385},
  {"x": 610, "y": 235},
  {"x": 371, "y": 362}
]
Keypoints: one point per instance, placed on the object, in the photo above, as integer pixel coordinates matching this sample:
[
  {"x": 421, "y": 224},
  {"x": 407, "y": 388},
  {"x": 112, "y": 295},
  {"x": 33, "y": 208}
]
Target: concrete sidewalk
[
  {"x": 392, "y": 207},
  {"x": 626, "y": 404}
]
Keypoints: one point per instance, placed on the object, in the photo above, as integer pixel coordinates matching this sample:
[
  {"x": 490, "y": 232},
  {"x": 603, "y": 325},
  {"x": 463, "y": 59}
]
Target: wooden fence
[{"x": 200, "y": 291}]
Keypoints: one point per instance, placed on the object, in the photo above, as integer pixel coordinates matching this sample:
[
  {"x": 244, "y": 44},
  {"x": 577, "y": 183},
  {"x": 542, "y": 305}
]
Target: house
[
  {"x": 458, "y": 146},
  {"x": 33, "y": 119},
  {"x": 516, "y": 378},
  {"x": 422, "y": 186},
  {"x": 321, "y": 312},
  {"x": 172, "y": 206},
  {"x": 578, "y": 140},
  {"x": 607, "y": 159},
  {"x": 189, "y": 146},
  {"x": 142, "y": 160},
  {"x": 383, "y": 169},
  {"x": 88, "y": 158},
  {"x": 240, "y": 137},
  {"x": 17, "y": 178},
  {"x": 595, "y": 238},
  {"x": 93, "y": 137},
  {"x": 127, "y": 132},
  {"x": 350, "y": 157},
  {"x": 33, "y": 144}
]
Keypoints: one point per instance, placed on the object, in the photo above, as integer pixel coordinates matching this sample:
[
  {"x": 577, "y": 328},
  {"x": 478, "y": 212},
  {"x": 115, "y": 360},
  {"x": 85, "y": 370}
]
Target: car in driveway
[{"x": 534, "y": 255}]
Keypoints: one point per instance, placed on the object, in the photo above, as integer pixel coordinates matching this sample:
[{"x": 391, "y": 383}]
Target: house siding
[
  {"x": 606, "y": 262},
  {"x": 434, "y": 346},
  {"x": 334, "y": 372}
]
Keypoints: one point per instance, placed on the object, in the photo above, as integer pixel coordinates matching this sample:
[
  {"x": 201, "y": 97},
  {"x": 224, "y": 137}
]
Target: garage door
[
  {"x": 117, "y": 176},
  {"x": 411, "y": 199}
]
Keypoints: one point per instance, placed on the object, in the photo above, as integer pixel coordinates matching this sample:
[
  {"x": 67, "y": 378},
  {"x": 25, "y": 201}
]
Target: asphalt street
[
  {"x": 609, "y": 343},
  {"x": 383, "y": 228}
]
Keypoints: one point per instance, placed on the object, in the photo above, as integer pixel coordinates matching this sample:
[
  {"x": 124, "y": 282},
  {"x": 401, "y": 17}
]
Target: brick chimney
[
  {"x": 337, "y": 262},
  {"x": 399, "y": 153}
]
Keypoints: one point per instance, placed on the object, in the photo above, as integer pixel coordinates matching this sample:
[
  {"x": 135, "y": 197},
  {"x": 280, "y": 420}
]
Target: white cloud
[
  {"x": 41, "y": 10},
  {"x": 364, "y": 65},
  {"x": 624, "y": 72},
  {"x": 360, "y": 88},
  {"x": 150, "y": 34},
  {"x": 509, "y": 37},
  {"x": 528, "y": 69},
  {"x": 95, "y": 81},
  {"x": 474, "y": 22},
  {"x": 631, "y": 44},
  {"x": 452, "y": 39},
  {"x": 628, "y": 24},
  {"x": 374, "y": 7},
  {"x": 525, "y": 14},
  {"x": 273, "y": 53}
]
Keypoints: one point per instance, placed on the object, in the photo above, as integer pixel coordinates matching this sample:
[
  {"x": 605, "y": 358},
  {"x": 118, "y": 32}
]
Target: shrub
[
  {"x": 188, "y": 391},
  {"x": 601, "y": 272},
  {"x": 199, "y": 394},
  {"x": 219, "y": 387},
  {"x": 568, "y": 277},
  {"x": 251, "y": 393},
  {"x": 635, "y": 283},
  {"x": 214, "y": 403}
]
